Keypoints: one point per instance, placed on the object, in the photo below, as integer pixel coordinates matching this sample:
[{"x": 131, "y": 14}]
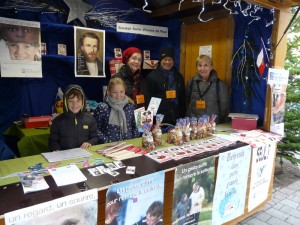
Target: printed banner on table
[
  {"x": 89, "y": 52},
  {"x": 231, "y": 184},
  {"x": 261, "y": 173},
  {"x": 20, "y": 48},
  {"x": 278, "y": 80},
  {"x": 136, "y": 201},
  {"x": 81, "y": 207},
  {"x": 193, "y": 192}
]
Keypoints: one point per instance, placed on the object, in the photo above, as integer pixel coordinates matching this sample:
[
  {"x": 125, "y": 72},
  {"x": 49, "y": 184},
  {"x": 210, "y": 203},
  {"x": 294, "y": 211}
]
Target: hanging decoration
[
  {"x": 33, "y": 6},
  {"x": 108, "y": 16},
  {"x": 146, "y": 4},
  {"x": 78, "y": 8},
  {"x": 202, "y": 10},
  {"x": 246, "y": 71}
]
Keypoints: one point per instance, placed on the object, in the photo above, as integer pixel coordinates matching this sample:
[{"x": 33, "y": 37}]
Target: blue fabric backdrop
[
  {"x": 36, "y": 96},
  {"x": 257, "y": 31}
]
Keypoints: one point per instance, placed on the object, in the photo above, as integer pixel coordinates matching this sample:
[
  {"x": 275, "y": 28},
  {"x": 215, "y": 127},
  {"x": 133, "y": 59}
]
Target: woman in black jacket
[{"x": 167, "y": 83}]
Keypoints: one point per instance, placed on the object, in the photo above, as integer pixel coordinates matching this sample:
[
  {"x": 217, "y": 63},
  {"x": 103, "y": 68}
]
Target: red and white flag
[{"x": 260, "y": 61}]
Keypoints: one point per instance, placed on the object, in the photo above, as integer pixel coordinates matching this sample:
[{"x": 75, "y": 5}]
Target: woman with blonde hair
[
  {"x": 206, "y": 93},
  {"x": 115, "y": 116}
]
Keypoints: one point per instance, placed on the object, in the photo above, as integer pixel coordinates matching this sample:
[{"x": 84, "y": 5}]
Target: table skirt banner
[
  {"x": 81, "y": 207},
  {"x": 136, "y": 200},
  {"x": 193, "y": 192}
]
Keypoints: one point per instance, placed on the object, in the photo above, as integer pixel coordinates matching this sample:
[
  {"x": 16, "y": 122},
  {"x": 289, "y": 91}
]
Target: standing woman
[
  {"x": 131, "y": 74},
  {"x": 167, "y": 83},
  {"x": 206, "y": 93},
  {"x": 115, "y": 116}
]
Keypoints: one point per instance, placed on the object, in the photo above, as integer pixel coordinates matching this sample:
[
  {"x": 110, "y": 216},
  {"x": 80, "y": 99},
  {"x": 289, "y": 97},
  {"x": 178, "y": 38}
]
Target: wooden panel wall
[{"x": 217, "y": 33}]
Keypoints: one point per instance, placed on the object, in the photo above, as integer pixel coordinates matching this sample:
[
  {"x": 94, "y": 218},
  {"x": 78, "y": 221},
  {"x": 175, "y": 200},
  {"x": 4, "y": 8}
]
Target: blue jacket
[{"x": 111, "y": 133}]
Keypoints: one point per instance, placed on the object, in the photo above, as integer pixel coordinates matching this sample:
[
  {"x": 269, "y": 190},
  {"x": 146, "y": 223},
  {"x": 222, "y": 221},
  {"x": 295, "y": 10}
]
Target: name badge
[
  {"x": 140, "y": 99},
  {"x": 171, "y": 94},
  {"x": 200, "y": 104}
]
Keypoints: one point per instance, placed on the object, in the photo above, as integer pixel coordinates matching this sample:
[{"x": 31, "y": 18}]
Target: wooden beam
[
  {"x": 277, "y": 4},
  {"x": 218, "y": 14}
]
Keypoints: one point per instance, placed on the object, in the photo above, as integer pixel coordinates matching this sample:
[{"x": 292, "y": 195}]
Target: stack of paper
[
  {"x": 66, "y": 154},
  {"x": 70, "y": 174}
]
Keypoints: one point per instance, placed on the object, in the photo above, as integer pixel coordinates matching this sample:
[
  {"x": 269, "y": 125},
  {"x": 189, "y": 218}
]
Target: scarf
[{"x": 117, "y": 114}]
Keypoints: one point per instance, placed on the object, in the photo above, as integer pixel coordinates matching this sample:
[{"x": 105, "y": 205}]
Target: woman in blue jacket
[{"x": 115, "y": 116}]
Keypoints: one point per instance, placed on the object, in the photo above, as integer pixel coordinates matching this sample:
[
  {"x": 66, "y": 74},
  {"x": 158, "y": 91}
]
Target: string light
[
  {"x": 272, "y": 11},
  {"x": 108, "y": 16},
  {"x": 146, "y": 4},
  {"x": 202, "y": 10},
  {"x": 180, "y": 4},
  {"x": 22, "y": 5}
]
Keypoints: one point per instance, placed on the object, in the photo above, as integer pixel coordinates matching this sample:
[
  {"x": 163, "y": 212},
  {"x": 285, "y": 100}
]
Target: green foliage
[{"x": 289, "y": 147}]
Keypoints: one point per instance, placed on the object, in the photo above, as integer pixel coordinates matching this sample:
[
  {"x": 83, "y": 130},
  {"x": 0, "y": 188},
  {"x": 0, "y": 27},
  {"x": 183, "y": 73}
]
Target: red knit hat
[{"x": 129, "y": 52}]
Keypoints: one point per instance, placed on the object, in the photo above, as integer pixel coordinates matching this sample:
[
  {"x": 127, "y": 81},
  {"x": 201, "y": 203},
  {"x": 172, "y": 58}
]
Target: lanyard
[{"x": 202, "y": 95}]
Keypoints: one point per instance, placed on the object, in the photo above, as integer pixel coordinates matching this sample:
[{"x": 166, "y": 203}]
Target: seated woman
[
  {"x": 73, "y": 128},
  {"x": 115, "y": 116}
]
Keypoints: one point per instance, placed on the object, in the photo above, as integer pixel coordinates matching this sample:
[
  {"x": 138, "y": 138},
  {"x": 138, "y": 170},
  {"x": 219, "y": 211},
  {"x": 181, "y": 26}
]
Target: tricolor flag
[{"x": 260, "y": 61}]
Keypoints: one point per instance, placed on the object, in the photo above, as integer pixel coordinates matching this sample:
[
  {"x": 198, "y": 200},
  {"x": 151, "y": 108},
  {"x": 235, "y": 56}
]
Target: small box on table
[
  {"x": 36, "y": 121},
  {"x": 241, "y": 121}
]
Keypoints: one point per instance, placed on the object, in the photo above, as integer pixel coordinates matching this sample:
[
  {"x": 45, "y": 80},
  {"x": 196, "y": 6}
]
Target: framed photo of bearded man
[{"x": 89, "y": 52}]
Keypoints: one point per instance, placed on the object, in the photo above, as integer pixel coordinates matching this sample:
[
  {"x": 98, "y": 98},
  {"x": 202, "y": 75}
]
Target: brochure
[{"x": 32, "y": 181}]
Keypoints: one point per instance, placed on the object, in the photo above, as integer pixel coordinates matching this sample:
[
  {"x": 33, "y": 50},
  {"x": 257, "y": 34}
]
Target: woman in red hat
[{"x": 131, "y": 74}]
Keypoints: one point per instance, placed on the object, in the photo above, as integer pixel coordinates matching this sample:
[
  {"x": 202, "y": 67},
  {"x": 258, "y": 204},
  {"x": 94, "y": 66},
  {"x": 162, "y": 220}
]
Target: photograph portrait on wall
[
  {"x": 20, "y": 48},
  {"x": 89, "y": 52}
]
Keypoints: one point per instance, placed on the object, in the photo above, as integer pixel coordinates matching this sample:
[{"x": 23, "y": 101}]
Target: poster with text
[
  {"x": 80, "y": 208},
  {"x": 20, "y": 48},
  {"x": 89, "y": 52},
  {"x": 278, "y": 81},
  {"x": 231, "y": 184},
  {"x": 193, "y": 192},
  {"x": 261, "y": 173},
  {"x": 136, "y": 201}
]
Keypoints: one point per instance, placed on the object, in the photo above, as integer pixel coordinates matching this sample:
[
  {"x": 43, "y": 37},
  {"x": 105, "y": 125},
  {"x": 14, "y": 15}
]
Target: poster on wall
[
  {"x": 231, "y": 184},
  {"x": 278, "y": 80},
  {"x": 193, "y": 192},
  {"x": 20, "y": 48},
  {"x": 136, "y": 201},
  {"x": 261, "y": 173},
  {"x": 80, "y": 208},
  {"x": 89, "y": 52}
]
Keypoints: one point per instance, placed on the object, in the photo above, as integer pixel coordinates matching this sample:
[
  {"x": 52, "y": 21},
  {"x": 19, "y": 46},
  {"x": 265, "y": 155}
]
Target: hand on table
[{"x": 85, "y": 145}]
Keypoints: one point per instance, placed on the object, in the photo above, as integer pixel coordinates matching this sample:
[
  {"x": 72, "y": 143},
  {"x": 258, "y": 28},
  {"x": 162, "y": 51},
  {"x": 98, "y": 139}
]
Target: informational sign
[
  {"x": 136, "y": 200},
  {"x": 142, "y": 29},
  {"x": 81, "y": 207},
  {"x": 278, "y": 81},
  {"x": 261, "y": 173},
  {"x": 193, "y": 192},
  {"x": 205, "y": 50},
  {"x": 89, "y": 52},
  {"x": 20, "y": 48},
  {"x": 231, "y": 184}
]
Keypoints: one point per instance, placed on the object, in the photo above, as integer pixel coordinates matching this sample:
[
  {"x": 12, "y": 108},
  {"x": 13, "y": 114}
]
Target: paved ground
[{"x": 284, "y": 208}]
